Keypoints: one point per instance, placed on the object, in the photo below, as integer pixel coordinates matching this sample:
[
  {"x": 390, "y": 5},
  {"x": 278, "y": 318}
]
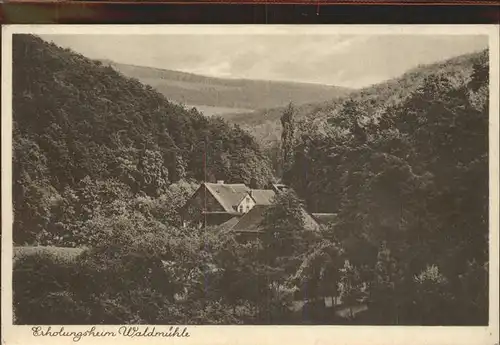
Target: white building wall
[{"x": 246, "y": 204}]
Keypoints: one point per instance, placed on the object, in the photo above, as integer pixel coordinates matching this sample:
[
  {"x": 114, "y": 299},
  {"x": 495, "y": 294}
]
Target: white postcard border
[{"x": 261, "y": 335}]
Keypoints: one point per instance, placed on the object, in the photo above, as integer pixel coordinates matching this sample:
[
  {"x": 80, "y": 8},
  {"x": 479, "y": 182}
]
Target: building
[
  {"x": 250, "y": 224},
  {"x": 325, "y": 218},
  {"x": 238, "y": 208},
  {"x": 216, "y": 203}
]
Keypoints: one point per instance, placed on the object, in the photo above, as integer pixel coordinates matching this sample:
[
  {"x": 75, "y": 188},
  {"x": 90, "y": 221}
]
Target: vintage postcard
[{"x": 250, "y": 184}]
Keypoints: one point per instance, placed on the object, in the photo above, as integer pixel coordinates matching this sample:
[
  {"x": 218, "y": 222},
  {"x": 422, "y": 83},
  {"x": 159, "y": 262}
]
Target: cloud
[
  {"x": 346, "y": 60},
  {"x": 217, "y": 69}
]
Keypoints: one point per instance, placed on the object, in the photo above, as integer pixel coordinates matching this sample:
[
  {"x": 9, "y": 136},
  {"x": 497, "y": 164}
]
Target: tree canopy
[
  {"x": 409, "y": 184},
  {"x": 84, "y": 134},
  {"x": 104, "y": 163}
]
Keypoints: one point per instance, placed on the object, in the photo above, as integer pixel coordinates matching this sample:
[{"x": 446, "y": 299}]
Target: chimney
[{"x": 220, "y": 181}]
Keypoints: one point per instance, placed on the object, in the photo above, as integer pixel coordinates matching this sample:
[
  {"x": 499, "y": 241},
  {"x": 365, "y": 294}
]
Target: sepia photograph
[{"x": 251, "y": 177}]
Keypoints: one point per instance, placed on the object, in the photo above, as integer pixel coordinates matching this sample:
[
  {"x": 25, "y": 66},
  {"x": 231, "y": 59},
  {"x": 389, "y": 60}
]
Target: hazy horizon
[{"x": 353, "y": 61}]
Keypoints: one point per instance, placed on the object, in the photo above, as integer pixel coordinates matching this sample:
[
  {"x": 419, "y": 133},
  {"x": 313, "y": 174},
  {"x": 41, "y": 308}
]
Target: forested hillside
[
  {"x": 83, "y": 134},
  {"x": 266, "y": 127},
  {"x": 102, "y": 162},
  {"x": 219, "y": 96},
  {"x": 407, "y": 176}
]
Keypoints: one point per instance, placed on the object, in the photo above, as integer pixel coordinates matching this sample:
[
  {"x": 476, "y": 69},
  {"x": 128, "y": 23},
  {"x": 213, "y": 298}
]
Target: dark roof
[
  {"x": 262, "y": 196},
  {"x": 279, "y": 187},
  {"x": 234, "y": 213},
  {"x": 57, "y": 254},
  {"x": 228, "y": 195},
  {"x": 228, "y": 225},
  {"x": 324, "y": 218},
  {"x": 251, "y": 221}
]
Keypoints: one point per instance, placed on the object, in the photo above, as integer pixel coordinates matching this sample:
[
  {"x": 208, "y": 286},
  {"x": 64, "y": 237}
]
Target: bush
[{"x": 43, "y": 288}]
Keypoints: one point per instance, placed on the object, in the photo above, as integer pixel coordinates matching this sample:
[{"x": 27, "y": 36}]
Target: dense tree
[
  {"x": 409, "y": 184},
  {"x": 80, "y": 126},
  {"x": 103, "y": 162},
  {"x": 287, "y": 138},
  {"x": 284, "y": 229},
  {"x": 351, "y": 286}
]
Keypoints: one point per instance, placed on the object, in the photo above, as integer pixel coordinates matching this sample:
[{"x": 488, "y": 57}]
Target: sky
[{"x": 342, "y": 60}]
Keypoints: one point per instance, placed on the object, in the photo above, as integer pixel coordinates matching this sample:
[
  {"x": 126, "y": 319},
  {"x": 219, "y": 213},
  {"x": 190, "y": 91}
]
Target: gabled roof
[
  {"x": 279, "y": 187},
  {"x": 262, "y": 196},
  {"x": 228, "y": 225},
  {"x": 324, "y": 218},
  {"x": 251, "y": 221},
  {"x": 228, "y": 195}
]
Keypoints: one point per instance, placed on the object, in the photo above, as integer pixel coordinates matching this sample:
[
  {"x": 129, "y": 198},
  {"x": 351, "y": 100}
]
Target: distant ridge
[
  {"x": 212, "y": 79},
  {"x": 265, "y": 126},
  {"x": 219, "y": 95}
]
